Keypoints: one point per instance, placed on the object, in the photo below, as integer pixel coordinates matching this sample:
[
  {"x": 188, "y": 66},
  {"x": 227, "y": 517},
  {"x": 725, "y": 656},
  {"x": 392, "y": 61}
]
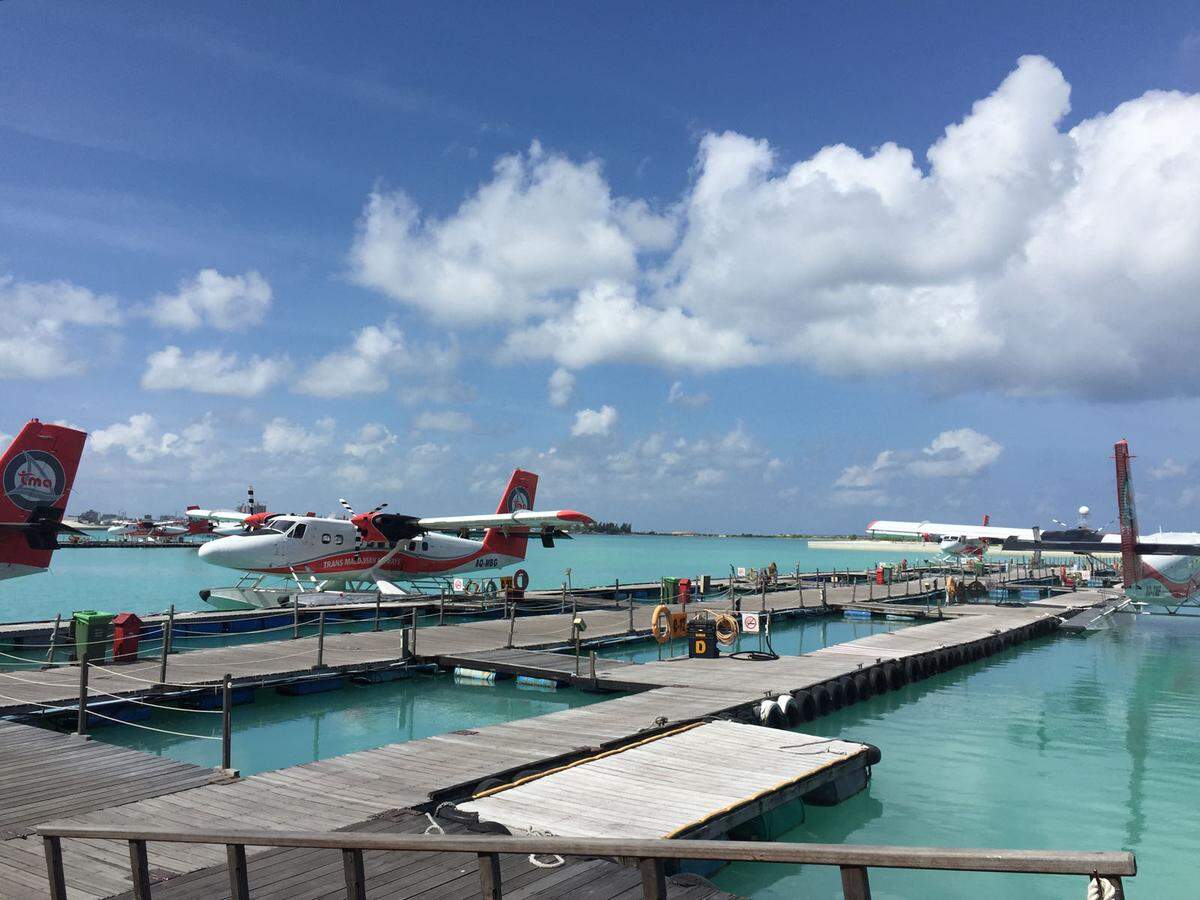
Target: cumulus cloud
[
  {"x": 373, "y": 439},
  {"x": 224, "y": 302},
  {"x": 143, "y": 439},
  {"x": 42, "y": 325},
  {"x": 444, "y": 420},
  {"x": 962, "y": 264},
  {"x": 607, "y": 323},
  {"x": 594, "y": 422},
  {"x": 958, "y": 453},
  {"x": 541, "y": 226},
  {"x": 560, "y": 386},
  {"x": 375, "y": 354},
  {"x": 1168, "y": 468},
  {"x": 211, "y": 372},
  {"x": 281, "y": 437},
  {"x": 678, "y": 395}
]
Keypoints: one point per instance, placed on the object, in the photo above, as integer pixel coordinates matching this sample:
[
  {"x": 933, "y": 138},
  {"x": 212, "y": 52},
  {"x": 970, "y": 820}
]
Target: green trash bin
[
  {"x": 91, "y": 631},
  {"x": 670, "y": 591}
]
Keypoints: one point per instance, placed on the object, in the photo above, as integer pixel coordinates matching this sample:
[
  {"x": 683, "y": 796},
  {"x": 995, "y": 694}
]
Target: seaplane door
[{"x": 288, "y": 549}]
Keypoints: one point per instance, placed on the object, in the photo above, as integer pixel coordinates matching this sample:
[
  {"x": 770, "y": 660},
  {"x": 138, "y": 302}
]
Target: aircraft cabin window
[
  {"x": 424, "y": 545},
  {"x": 412, "y": 545},
  {"x": 298, "y": 531},
  {"x": 325, "y": 538},
  {"x": 337, "y": 539}
]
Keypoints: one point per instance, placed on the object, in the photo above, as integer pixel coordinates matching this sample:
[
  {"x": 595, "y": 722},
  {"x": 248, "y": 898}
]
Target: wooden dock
[{"x": 700, "y": 781}]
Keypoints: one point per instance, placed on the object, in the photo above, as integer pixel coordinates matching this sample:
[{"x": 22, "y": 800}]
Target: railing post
[
  {"x": 413, "y": 648},
  {"x": 631, "y": 628},
  {"x": 239, "y": 886},
  {"x": 320, "y": 640},
  {"x": 227, "y": 723},
  {"x": 654, "y": 879},
  {"x": 592, "y": 666},
  {"x": 295, "y": 616},
  {"x": 168, "y": 631},
  {"x": 489, "y": 876},
  {"x": 139, "y": 868},
  {"x": 405, "y": 653},
  {"x": 81, "y": 722},
  {"x": 53, "y": 637},
  {"x": 52, "y": 847},
  {"x": 356, "y": 877},
  {"x": 855, "y": 885},
  {"x": 512, "y": 623},
  {"x": 378, "y": 599},
  {"x": 442, "y": 608}
]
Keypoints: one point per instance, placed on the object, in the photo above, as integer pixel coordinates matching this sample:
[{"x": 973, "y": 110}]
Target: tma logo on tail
[
  {"x": 518, "y": 498},
  {"x": 34, "y": 478}
]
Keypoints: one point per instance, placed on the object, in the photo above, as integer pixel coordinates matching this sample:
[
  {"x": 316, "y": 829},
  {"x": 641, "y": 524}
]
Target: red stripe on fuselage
[
  {"x": 1179, "y": 589},
  {"x": 338, "y": 563}
]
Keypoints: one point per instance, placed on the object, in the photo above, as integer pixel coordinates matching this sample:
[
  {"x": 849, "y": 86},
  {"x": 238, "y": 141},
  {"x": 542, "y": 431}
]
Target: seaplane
[
  {"x": 1160, "y": 569},
  {"x": 147, "y": 529},
  {"x": 36, "y": 474},
  {"x": 339, "y": 558}
]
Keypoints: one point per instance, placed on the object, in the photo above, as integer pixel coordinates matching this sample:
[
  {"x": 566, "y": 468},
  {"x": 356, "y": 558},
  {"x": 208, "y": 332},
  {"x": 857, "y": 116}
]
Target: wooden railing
[{"x": 651, "y": 856}]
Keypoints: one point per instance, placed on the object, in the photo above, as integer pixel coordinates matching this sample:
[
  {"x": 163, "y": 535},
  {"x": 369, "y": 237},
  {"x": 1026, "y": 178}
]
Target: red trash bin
[
  {"x": 127, "y": 628},
  {"x": 685, "y": 590}
]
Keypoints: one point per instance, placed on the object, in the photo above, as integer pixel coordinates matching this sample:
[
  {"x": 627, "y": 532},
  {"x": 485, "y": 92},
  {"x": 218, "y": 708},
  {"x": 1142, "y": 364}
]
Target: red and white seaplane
[
  {"x": 321, "y": 554},
  {"x": 36, "y": 474},
  {"x": 147, "y": 529}
]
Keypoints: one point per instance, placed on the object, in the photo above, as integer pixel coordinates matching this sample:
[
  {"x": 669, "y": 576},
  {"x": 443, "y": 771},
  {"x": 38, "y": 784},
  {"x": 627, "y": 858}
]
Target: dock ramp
[{"x": 699, "y": 781}]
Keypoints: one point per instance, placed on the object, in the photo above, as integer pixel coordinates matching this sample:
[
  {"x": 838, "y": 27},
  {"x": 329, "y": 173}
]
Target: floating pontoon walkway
[{"x": 701, "y": 781}]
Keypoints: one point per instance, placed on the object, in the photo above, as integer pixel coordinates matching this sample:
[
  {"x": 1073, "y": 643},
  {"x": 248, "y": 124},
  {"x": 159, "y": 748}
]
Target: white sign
[
  {"x": 750, "y": 623},
  {"x": 741, "y": 571},
  {"x": 459, "y": 585}
]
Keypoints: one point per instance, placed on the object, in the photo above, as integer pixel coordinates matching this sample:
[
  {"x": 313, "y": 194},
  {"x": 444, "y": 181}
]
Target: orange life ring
[
  {"x": 520, "y": 579},
  {"x": 660, "y": 624}
]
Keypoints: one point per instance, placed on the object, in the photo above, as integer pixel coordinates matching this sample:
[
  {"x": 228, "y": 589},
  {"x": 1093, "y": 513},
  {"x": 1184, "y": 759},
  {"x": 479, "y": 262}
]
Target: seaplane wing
[
  {"x": 216, "y": 515},
  {"x": 936, "y": 531},
  {"x": 524, "y": 518}
]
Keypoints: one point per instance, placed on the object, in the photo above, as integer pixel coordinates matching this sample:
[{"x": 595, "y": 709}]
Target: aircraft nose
[{"x": 220, "y": 552}]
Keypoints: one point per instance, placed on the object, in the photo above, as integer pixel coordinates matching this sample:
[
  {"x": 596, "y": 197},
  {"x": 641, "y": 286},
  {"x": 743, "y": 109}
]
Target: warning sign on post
[
  {"x": 749, "y": 623},
  {"x": 459, "y": 585},
  {"x": 741, "y": 571}
]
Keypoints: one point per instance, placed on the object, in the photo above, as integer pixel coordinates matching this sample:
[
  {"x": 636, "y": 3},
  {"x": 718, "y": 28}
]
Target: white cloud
[
  {"x": 957, "y": 453},
  {"x": 542, "y": 226},
  {"x": 376, "y": 354},
  {"x": 445, "y": 420},
  {"x": 594, "y": 422},
  {"x": 678, "y": 395},
  {"x": 143, "y": 440},
  {"x": 608, "y": 324},
  {"x": 281, "y": 437},
  {"x": 211, "y": 372},
  {"x": 41, "y": 321},
  {"x": 225, "y": 302},
  {"x": 373, "y": 439},
  {"x": 560, "y": 386},
  {"x": 1168, "y": 468}
]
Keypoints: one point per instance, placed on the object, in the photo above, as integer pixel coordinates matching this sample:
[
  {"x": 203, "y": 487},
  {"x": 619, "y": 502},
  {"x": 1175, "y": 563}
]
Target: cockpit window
[{"x": 298, "y": 531}]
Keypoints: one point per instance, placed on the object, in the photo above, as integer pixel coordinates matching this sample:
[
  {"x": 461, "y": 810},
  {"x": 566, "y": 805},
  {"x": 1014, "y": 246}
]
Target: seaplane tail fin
[
  {"x": 1131, "y": 559},
  {"x": 518, "y": 495},
  {"x": 36, "y": 475}
]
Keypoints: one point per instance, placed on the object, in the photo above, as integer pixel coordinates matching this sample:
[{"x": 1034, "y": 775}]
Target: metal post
[
  {"x": 227, "y": 723},
  {"x": 592, "y": 665},
  {"x": 575, "y": 638},
  {"x": 52, "y": 847},
  {"x": 81, "y": 725},
  {"x": 631, "y": 628},
  {"x": 53, "y": 637},
  {"x": 442, "y": 608},
  {"x": 489, "y": 876},
  {"x": 404, "y": 651},
  {"x": 239, "y": 886},
  {"x": 295, "y": 616},
  {"x": 855, "y": 885},
  {"x": 414, "y": 632},
  {"x": 764, "y": 597},
  {"x": 356, "y": 876},
  {"x": 654, "y": 879},
  {"x": 870, "y": 587},
  {"x": 139, "y": 868},
  {"x": 378, "y": 597},
  {"x": 512, "y": 624},
  {"x": 168, "y": 631},
  {"x": 320, "y": 640}
]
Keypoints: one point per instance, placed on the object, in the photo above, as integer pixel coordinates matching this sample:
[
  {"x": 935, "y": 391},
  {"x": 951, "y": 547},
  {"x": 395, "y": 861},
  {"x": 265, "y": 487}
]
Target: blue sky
[{"x": 728, "y": 267}]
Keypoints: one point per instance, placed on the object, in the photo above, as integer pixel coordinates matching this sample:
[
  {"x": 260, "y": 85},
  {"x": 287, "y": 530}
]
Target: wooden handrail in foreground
[{"x": 853, "y": 859}]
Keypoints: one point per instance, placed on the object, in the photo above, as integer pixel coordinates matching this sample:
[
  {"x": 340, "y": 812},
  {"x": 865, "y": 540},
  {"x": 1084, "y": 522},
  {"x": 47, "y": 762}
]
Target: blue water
[
  {"x": 1062, "y": 743},
  {"x": 143, "y": 581},
  {"x": 277, "y": 731}
]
